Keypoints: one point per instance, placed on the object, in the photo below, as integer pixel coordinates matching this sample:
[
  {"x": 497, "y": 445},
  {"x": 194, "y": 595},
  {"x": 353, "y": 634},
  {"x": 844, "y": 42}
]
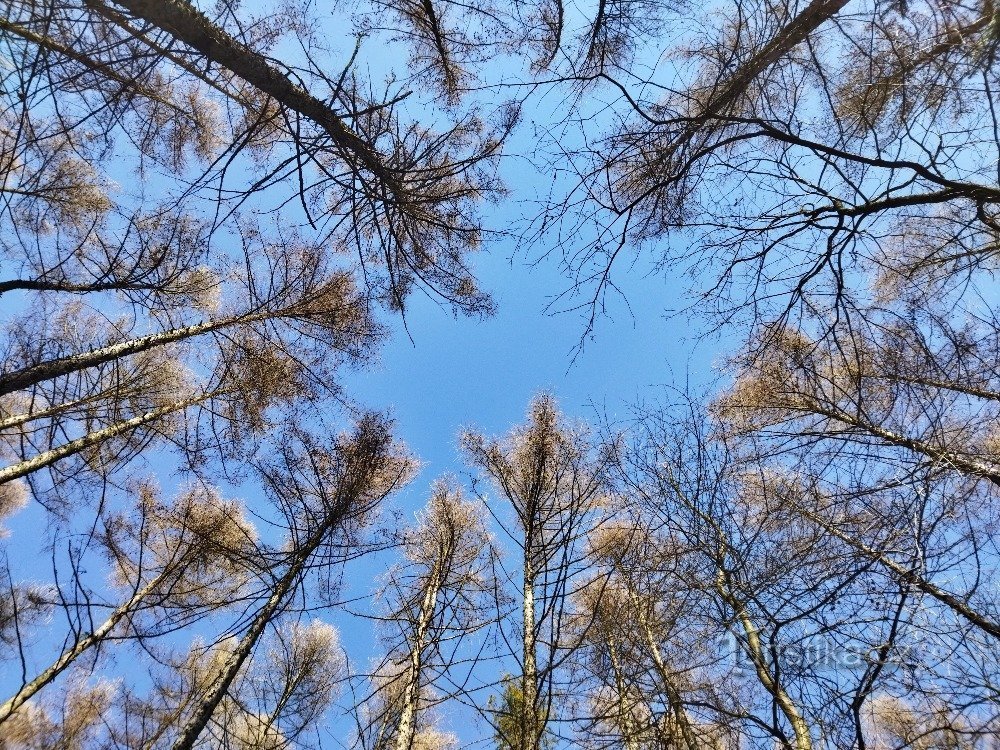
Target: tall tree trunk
[
  {"x": 49, "y": 457},
  {"x": 407, "y": 729},
  {"x": 626, "y": 720},
  {"x": 962, "y": 462},
  {"x": 531, "y": 732},
  {"x": 77, "y": 649},
  {"x": 674, "y": 698},
  {"x": 794, "y": 33},
  {"x": 910, "y": 576},
  {"x": 53, "y": 368},
  {"x": 803, "y": 739},
  {"x": 181, "y": 19},
  {"x": 17, "y": 420}
]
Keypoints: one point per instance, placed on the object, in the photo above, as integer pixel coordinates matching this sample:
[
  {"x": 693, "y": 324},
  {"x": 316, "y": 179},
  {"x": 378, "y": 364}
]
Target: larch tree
[
  {"x": 74, "y": 719},
  {"x": 645, "y": 597},
  {"x": 749, "y": 591},
  {"x": 436, "y": 600},
  {"x": 798, "y": 158},
  {"x": 115, "y": 400},
  {"x": 618, "y": 705},
  {"x": 192, "y": 198},
  {"x": 274, "y": 703},
  {"x": 197, "y": 235},
  {"x": 175, "y": 560},
  {"x": 898, "y": 423},
  {"x": 208, "y": 211},
  {"x": 328, "y": 495},
  {"x": 554, "y": 480}
]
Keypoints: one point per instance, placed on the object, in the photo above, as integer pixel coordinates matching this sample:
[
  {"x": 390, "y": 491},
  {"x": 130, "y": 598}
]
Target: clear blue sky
[{"x": 458, "y": 372}]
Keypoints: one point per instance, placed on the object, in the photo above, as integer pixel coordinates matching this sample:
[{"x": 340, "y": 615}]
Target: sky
[
  {"x": 448, "y": 373},
  {"x": 454, "y": 372},
  {"x": 437, "y": 374},
  {"x": 442, "y": 373}
]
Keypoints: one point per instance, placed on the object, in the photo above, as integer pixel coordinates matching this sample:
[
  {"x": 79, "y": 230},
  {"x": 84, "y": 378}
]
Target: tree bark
[
  {"x": 530, "y": 731},
  {"x": 625, "y": 719},
  {"x": 53, "y": 368},
  {"x": 188, "y": 25},
  {"x": 803, "y": 739},
  {"x": 673, "y": 695},
  {"x": 50, "y": 457},
  {"x": 407, "y": 729}
]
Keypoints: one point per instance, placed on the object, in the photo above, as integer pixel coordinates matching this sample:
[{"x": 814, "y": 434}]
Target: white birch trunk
[{"x": 530, "y": 731}]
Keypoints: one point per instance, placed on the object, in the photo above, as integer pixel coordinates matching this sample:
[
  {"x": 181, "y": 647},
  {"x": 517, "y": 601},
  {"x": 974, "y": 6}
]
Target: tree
[
  {"x": 73, "y": 721},
  {"x": 511, "y": 730},
  {"x": 554, "y": 480},
  {"x": 175, "y": 559},
  {"x": 800, "y": 159},
  {"x": 196, "y": 112},
  {"x": 209, "y": 210},
  {"x": 328, "y": 493},
  {"x": 638, "y": 591},
  {"x": 749, "y": 599},
  {"x": 834, "y": 580},
  {"x": 275, "y": 700},
  {"x": 193, "y": 87},
  {"x": 436, "y": 601},
  {"x": 180, "y": 211},
  {"x": 913, "y": 409},
  {"x": 619, "y": 708},
  {"x": 119, "y": 397}
]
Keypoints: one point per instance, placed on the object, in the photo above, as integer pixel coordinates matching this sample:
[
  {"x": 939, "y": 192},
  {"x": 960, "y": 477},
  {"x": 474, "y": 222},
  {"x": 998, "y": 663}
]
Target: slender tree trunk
[
  {"x": 17, "y": 420},
  {"x": 49, "y": 457},
  {"x": 794, "y": 33},
  {"x": 42, "y": 371},
  {"x": 531, "y": 732},
  {"x": 71, "y": 654},
  {"x": 957, "y": 461},
  {"x": 626, "y": 720},
  {"x": 803, "y": 739},
  {"x": 911, "y": 577},
  {"x": 127, "y": 84},
  {"x": 673, "y": 695},
  {"x": 407, "y": 729}
]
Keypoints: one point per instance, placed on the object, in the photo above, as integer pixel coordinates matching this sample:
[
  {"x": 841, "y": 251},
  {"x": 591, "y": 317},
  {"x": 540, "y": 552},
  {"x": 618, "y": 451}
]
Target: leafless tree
[
  {"x": 327, "y": 493},
  {"x": 833, "y": 583},
  {"x": 190, "y": 555},
  {"x": 436, "y": 600},
  {"x": 798, "y": 159},
  {"x": 554, "y": 480}
]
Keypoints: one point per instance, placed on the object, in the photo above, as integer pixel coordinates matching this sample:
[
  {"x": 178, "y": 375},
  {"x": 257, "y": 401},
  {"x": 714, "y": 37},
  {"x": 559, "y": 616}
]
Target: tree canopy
[{"x": 216, "y": 217}]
